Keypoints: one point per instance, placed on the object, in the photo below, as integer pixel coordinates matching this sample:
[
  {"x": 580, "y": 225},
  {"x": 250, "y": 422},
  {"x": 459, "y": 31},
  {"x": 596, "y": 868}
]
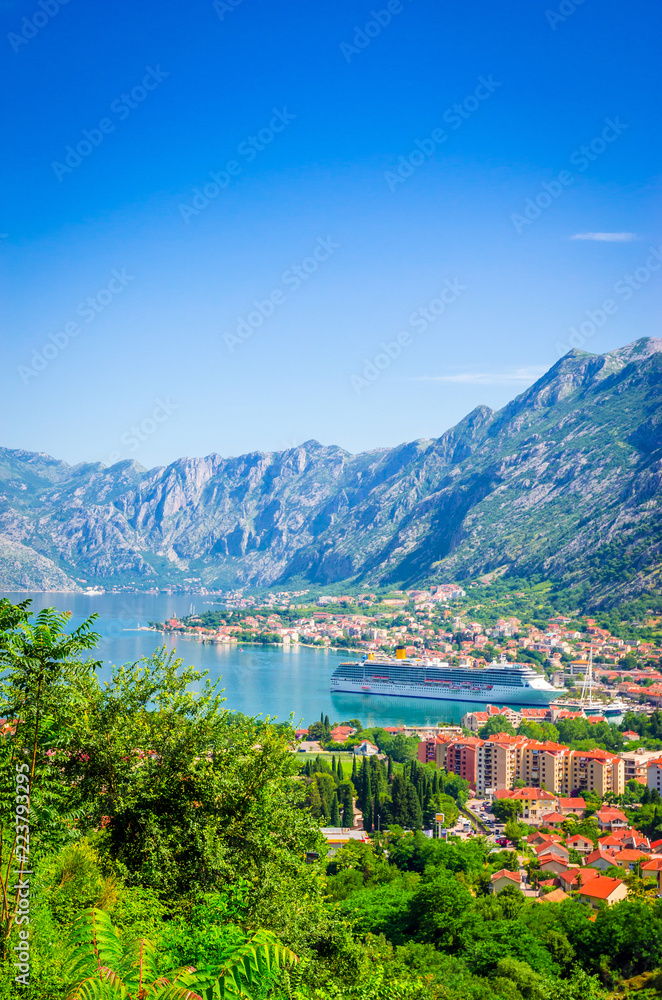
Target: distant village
[{"x": 429, "y": 623}]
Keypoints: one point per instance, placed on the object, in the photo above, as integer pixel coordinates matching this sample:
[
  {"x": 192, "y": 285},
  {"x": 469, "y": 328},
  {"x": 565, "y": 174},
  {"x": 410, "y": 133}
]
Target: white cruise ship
[{"x": 405, "y": 677}]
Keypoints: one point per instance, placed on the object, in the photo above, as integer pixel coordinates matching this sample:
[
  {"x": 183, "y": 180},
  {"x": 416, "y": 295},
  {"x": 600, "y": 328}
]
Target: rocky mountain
[{"x": 565, "y": 482}]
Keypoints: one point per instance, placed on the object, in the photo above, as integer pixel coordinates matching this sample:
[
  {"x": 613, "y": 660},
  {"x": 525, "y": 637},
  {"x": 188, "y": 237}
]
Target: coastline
[{"x": 252, "y": 642}]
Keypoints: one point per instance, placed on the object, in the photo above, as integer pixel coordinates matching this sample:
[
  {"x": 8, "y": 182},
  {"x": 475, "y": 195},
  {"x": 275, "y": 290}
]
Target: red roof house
[{"x": 604, "y": 890}]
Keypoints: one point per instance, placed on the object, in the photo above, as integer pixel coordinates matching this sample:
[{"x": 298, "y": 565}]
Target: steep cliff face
[{"x": 565, "y": 480}]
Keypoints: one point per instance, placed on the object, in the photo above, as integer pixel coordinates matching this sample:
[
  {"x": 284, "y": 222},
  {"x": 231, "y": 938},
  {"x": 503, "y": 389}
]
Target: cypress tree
[
  {"x": 315, "y": 799},
  {"x": 361, "y": 796},
  {"x": 354, "y": 772},
  {"x": 413, "y": 809},
  {"x": 348, "y": 813},
  {"x": 367, "y": 817},
  {"x": 322, "y": 717},
  {"x": 333, "y": 765},
  {"x": 327, "y": 724},
  {"x": 335, "y": 811},
  {"x": 399, "y": 801},
  {"x": 389, "y": 773},
  {"x": 340, "y": 772},
  {"x": 377, "y": 810}
]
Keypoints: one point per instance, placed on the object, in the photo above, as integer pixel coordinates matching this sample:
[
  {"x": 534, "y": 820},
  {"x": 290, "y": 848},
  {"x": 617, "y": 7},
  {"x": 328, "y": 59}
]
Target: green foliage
[
  {"x": 182, "y": 829},
  {"x": 506, "y": 810},
  {"x": 73, "y": 880},
  {"x": 496, "y": 724},
  {"x": 36, "y": 694},
  {"x": 100, "y": 967}
]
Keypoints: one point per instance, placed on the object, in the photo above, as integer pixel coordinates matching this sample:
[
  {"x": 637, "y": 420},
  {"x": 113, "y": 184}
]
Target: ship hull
[{"x": 495, "y": 695}]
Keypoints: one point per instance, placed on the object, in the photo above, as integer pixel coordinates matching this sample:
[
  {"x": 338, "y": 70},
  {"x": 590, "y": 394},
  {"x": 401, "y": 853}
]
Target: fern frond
[
  {"x": 139, "y": 965},
  {"x": 106, "y": 985},
  {"x": 93, "y": 945},
  {"x": 249, "y": 966}
]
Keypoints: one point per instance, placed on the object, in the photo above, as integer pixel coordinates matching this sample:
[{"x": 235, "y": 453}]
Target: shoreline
[{"x": 252, "y": 642}]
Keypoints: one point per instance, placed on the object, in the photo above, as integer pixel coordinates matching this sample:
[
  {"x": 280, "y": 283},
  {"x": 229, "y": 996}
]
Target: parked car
[{"x": 502, "y": 841}]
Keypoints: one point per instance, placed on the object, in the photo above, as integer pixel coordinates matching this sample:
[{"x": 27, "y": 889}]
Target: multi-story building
[
  {"x": 427, "y": 750},
  {"x": 497, "y": 762},
  {"x": 459, "y": 756},
  {"x": 595, "y": 771},
  {"x": 535, "y": 803},
  {"x": 636, "y": 763},
  {"x": 654, "y": 774},
  {"x": 554, "y": 767},
  {"x": 500, "y": 760}
]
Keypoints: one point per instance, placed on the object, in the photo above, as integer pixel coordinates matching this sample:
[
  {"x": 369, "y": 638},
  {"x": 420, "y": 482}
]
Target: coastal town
[
  {"x": 562, "y": 820},
  {"x": 447, "y": 622}
]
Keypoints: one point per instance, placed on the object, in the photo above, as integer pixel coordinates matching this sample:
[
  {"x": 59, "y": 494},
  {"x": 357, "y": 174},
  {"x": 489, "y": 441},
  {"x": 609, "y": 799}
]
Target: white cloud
[
  {"x": 518, "y": 377},
  {"x": 606, "y": 237}
]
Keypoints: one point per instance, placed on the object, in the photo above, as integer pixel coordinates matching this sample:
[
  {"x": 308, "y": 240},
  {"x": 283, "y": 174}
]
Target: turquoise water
[{"x": 275, "y": 681}]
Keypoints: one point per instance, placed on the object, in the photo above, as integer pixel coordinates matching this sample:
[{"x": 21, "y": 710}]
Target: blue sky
[{"x": 373, "y": 169}]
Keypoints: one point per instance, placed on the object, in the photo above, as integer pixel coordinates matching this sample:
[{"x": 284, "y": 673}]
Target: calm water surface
[{"x": 276, "y": 681}]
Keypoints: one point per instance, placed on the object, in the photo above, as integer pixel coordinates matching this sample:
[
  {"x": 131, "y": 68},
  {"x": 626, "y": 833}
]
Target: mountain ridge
[{"x": 564, "y": 481}]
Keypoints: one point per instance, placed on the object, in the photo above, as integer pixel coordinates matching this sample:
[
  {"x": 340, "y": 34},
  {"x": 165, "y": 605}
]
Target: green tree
[
  {"x": 507, "y": 809},
  {"x": 39, "y": 657},
  {"x": 188, "y": 795},
  {"x": 496, "y": 724}
]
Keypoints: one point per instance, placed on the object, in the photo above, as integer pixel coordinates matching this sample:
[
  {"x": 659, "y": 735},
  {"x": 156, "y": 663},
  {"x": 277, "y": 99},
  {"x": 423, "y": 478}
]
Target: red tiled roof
[
  {"x": 597, "y": 855},
  {"x": 631, "y": 855},
  {"x": 548, "y": 844},
  {"x": 545, "y": 859},
  {"x": 600, "y": 887},
  {"x": 544, "y": 838},
  {"x": 532, "y": 794},
  {"x": 611, "y": 841},
  {"x": 608, "y": 814},
  {"x": 557, "y": 896},
  {"x": 504, "y": 873},
  {"x": 571, "y": 876}
]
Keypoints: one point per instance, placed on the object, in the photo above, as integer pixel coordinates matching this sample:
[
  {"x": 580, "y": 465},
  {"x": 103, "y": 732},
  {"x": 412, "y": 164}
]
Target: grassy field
[{"x": 343, "y": 755}]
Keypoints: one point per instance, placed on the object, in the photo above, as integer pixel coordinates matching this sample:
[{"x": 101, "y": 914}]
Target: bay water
[{"x": 280, "y": 681}]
